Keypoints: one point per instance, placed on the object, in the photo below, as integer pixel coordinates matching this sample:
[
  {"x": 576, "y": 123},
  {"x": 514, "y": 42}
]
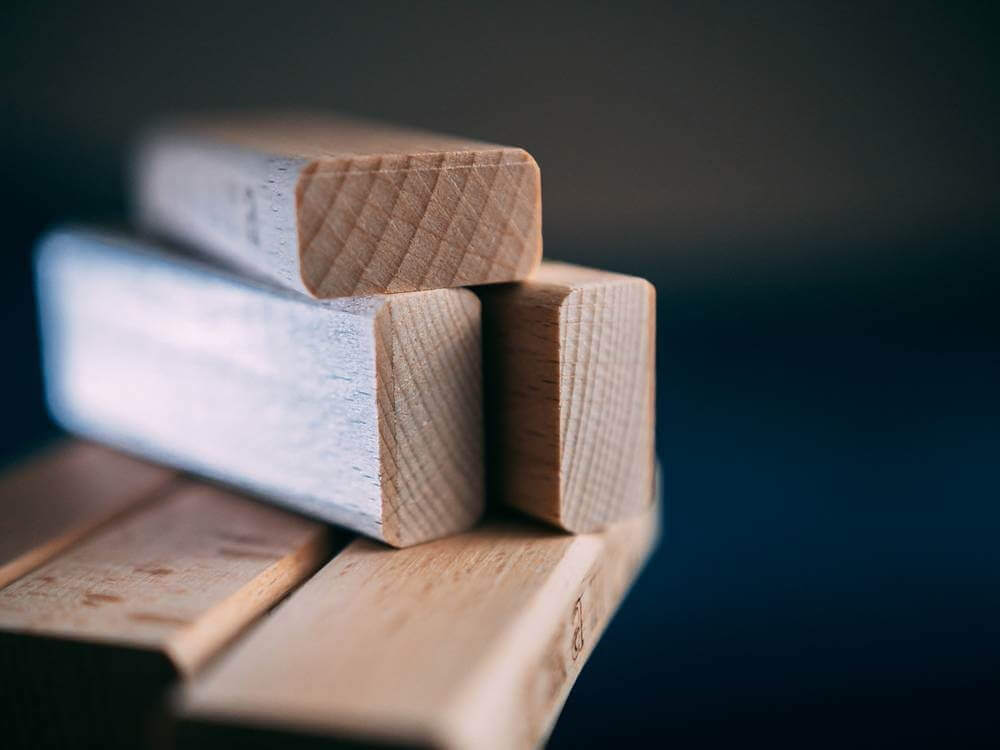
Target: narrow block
[
  {"x": 56, "y": 498},
  {"x": 569, "y": 362},
  {"x": 468, "y": 642},
  {"x": 339, "y": 207},
  {"x": 90, "y": 640},
  {"x": 366, "y": 412}
]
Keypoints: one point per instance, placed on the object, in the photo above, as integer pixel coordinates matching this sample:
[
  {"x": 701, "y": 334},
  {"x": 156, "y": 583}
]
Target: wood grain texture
[
  {"x": 182, "y": 575},
  {"x": 366, "y": 412},
  {"x": 430, "y": 415},
  {"x": 59, "y": 496},
  {"x": 339, "y": 207},
  {"x": 91, "y": 640},
  {"x": 569, "y": 362},
  {"x": 468, "y": 642}
]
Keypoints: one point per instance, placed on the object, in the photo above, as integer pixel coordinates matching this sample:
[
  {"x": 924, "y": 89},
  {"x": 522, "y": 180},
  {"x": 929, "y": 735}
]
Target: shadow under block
[
  {"x": 90, "y": 640},
  {"x": 52, "y": 500},
  {"x": 468, "y": 642},
  {"x": 366, "y": 412},
  {"x": 338, "y": 207},
  {"x": 569, "y": 360}
]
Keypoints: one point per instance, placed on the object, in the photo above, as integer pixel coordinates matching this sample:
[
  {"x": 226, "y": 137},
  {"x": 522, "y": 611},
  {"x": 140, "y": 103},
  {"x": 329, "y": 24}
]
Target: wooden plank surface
[
  {"x": 364, "y": 412},
  {"x": 181, "y": 575},
  {"x": 339, "y": 207},
  {"x": 468, "y": 642},
  {"x": 90, "y": 640},
  {"x": 52, "y": 500},
  {"x": 569, "y": 363}
]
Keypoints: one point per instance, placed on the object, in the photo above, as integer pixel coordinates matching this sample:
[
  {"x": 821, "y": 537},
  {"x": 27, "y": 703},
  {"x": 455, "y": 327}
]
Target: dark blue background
[
  {"x": 815, "y": 192},
  {"x": 830, "y": 562}
]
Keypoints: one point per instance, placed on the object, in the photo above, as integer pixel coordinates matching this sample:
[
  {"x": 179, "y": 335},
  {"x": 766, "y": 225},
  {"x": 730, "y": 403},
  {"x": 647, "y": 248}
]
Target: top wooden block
[{"x": 338, "y": 207}]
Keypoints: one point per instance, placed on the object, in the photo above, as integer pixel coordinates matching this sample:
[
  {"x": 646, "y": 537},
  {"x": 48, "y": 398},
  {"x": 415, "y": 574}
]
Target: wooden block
[
  {"x": 364, "y": 412},
  {"x": 56, "y": 498},
  {"x": 569, "y": 363},
  {"x": 338, "y": 207},
  {"x": 90, "y": 640},
  {"x": 468, "y": 642}
]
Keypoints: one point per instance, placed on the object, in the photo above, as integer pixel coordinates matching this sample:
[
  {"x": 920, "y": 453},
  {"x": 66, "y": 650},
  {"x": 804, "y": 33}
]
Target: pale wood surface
[
  {"x": 336, "y": 207},
  {"x": 470, "y": 641},
  {"x": 430, "y": 415},
  {"x": 54, "y": 499},
  {"x": 366, "y": 412},
  {"x": 182, "y": 575},
  {"x": 570, "y": 358},
  {"x": 91, "y": 640}
]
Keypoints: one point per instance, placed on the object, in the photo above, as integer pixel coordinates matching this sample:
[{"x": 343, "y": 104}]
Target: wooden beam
[
  {"x": 56, "y": 498},
  {"x": 470, "y": 641},
  {"x": 569, "y": 364},
  {"x": 363, "y": 412},
  {"x": 96, "y": 634},
  {"x": 181, "y": 575},
  {"x": 338, "y": 207}
]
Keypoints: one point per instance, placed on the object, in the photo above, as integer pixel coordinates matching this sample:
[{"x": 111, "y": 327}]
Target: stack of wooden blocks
[{"x": 352, "y": 323}]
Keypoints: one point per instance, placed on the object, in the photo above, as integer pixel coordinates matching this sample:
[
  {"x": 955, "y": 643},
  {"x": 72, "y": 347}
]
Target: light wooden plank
[
  {"x": 339, "y": 207},
  {"x": 569, "y": 363},
  {"x": 90, "y": 640},
  {"x": 468, "y": 642},
  {"x": 366, "y": 412},
  {"x": 56, "y": 498},
  {"x": 181, "y": 576}
]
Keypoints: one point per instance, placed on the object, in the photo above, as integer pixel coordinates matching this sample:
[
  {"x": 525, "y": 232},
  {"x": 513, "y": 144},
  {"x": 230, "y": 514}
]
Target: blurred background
[{"x": 814, "y": 190}]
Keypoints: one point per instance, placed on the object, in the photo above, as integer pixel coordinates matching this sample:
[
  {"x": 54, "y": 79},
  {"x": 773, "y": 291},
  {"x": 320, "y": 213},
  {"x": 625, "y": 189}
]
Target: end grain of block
[
  {"x": 336, "y": 207},
  {"x": 569, "y": 359}
]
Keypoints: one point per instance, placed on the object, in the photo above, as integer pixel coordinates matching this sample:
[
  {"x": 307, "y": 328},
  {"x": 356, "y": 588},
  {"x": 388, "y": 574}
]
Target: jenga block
[
  {"x": 338, "y": 207},
  {"x": 90, "y": 640},
  {"x": 468, "y": 642},
  {"x": 569, "y": 363},
  {"x": 56, "y": 498},
  {"x": 364, "y": 412}
]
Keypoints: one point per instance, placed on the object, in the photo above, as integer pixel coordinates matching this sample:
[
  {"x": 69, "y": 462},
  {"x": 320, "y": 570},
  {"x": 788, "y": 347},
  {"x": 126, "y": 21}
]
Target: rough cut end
[
  {"x": 430, "y": 420},
  {"x": 407, "y": 222}
]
